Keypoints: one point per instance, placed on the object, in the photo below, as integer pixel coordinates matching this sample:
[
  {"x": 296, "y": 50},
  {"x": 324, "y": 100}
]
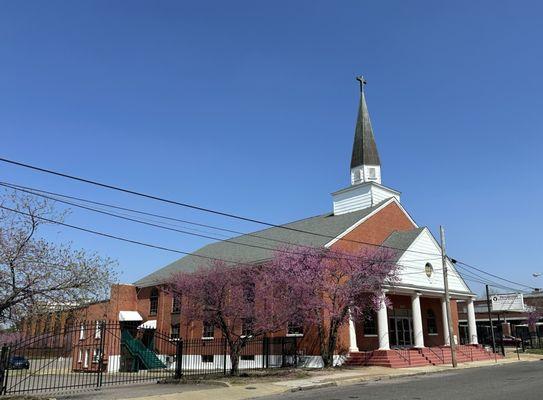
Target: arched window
[
  {"x": 153, "y": 302},
  {"x": 431, "y": 322}
]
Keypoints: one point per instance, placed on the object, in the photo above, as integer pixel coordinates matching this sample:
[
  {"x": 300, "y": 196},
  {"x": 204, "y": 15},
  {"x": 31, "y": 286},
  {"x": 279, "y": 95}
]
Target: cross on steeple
[{"x": 362, "y": 81}]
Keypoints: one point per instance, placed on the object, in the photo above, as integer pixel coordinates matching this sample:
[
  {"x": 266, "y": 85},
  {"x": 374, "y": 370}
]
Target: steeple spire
[{"x": 365, "y": 163}]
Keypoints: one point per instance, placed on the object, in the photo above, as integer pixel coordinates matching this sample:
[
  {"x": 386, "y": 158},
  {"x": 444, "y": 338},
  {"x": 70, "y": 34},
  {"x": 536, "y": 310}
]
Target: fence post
[
  {"x": 295, "y": 352},
  {"x": 3, "y": 368},
  {"x": 264, "y": 352},
  {"x": 224, "y": 358},
  {"x": 102, "y": 328},
  {"x": 282, "y": 351},
  {"x": 178, "y": 358},
  {"x": 267, "y": 353}
]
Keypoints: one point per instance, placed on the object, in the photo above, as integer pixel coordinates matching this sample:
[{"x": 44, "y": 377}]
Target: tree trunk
[
  {"x": 332, "y": 341},
  {"x": 328, "y": 343},
  {"x": 327, "y": 356},
  {"x": 234, "y": 359}
]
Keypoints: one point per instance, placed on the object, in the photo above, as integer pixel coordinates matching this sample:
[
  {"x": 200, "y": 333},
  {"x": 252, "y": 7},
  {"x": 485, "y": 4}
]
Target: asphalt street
[{"x": 522, "y": 381}]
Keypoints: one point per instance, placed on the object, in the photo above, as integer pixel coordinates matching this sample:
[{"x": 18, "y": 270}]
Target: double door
[{"x": 401, "y": 331}]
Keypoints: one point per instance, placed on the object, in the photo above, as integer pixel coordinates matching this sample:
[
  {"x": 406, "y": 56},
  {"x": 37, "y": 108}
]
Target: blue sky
[{"x": 249, "y": 107}]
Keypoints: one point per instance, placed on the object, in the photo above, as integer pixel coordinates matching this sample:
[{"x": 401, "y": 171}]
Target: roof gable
[{"x": 421, "y": 248}]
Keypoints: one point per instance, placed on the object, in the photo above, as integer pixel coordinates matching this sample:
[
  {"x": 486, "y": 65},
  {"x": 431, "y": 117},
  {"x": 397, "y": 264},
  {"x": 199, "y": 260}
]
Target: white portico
[{"x": 416, "y": 313}]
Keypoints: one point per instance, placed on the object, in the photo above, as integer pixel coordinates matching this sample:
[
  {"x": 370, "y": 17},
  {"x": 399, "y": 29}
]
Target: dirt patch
[{"x": 269, "y": 375}]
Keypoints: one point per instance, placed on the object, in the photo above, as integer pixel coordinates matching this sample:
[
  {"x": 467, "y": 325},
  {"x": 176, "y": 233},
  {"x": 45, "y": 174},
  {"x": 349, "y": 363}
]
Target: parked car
[
  {"x": 19, "y": 362},
  {"x": 510, "y": 341}
]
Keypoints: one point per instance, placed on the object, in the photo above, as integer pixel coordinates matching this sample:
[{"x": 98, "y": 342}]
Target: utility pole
[
  {"x": 490, "y": 320},
  {"x": 447, "y": 297}
]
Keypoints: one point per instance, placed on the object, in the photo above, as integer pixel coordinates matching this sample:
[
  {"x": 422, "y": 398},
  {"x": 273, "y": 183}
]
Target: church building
[{"x": 366, "y": 211}]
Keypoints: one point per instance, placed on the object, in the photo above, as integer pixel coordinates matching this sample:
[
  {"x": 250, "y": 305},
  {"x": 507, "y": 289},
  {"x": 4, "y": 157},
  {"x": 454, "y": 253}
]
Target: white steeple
[
  {"x": 365, "y": 189},
  {"x": 365, "y": 163}
]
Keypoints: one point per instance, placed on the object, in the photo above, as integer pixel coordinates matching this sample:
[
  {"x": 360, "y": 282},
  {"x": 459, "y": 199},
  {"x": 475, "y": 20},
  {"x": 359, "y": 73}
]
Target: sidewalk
[{"x": 337, "y": 377}]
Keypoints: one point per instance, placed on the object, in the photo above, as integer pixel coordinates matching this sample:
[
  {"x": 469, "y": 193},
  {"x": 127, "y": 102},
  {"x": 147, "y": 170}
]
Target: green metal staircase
[{"x": 138, "y": 349}]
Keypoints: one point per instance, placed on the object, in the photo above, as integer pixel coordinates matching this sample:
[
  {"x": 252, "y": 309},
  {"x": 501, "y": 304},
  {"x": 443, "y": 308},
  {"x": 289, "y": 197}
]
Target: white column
[
  {"x": 353, "y": 346},
  {"x": 382, "y": 324},
  {"x": 472, "y": 325},
  {"x": 446, "y": 337},
  {"x": 417, "y": 320}
]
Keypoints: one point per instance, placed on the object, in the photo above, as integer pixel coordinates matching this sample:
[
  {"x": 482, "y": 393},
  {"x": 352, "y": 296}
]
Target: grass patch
[{"x": 535, "y": 351}]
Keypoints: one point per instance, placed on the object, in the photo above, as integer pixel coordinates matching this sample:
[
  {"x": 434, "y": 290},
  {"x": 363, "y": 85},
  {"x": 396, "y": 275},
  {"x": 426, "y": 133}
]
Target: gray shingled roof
[
  {"x": 364, "y": 147},
  {"x": 327, "y": 225},
  {"x": 402, "y": 240}
]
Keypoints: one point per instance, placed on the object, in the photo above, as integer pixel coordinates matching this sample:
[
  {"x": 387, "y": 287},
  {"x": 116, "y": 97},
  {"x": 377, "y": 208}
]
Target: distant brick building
[{"x": 506, "y": 323}]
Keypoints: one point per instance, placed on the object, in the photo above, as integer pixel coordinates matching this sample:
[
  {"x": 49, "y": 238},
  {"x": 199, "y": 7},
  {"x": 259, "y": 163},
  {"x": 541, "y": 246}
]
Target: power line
[
  {"x": 18, "y": 187},
  {"x": 221, "y": 213},
  {"x": 111, "y": 236},
  {"x": 15, "y": 186},
  {"x": 191, "y": 206},
  {"x": 495, "y": 276},
  {"x": 468, "y": 277},
  {"x": 229, "y": 241},
  {"x": 466, "y": 273},
  {"x": 137, "y": 242}
]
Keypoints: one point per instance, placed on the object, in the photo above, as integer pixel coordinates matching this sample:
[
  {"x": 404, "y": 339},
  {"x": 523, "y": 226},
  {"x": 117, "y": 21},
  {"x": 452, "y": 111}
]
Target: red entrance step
[{"x": 418, "y": 357}]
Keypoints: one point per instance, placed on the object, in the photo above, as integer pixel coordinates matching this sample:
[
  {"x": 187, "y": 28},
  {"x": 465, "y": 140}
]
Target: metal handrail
[
  {"x": 406, "y": 358},
  {"x": 442, "y": 358},
  {"x": 461, "y": 349}
]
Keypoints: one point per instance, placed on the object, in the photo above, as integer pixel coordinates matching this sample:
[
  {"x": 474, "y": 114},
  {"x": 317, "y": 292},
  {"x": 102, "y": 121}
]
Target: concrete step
[{"x": 417, "y": 357}]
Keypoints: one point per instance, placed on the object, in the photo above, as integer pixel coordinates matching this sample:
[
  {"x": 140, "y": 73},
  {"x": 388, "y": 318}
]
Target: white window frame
[
  {"x": 82, "y": 332},
  {"x": 86, "y": 361},
  {"x": 301, "y": 334},
  {"x": 178, "y": 331},
  {"x": 98, "y": 330},
  {"x": 96, "y": 355},
  {"x": 204, "y": 332}
]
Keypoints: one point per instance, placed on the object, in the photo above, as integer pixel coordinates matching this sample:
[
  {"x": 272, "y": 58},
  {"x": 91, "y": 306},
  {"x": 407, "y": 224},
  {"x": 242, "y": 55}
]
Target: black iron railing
[
  {"x": 88, "y": 354},
  {"x": 438, "y": 352}
]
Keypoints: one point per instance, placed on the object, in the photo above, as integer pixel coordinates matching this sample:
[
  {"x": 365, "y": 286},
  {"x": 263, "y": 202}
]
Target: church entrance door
[{"x": 401, "y": 331}]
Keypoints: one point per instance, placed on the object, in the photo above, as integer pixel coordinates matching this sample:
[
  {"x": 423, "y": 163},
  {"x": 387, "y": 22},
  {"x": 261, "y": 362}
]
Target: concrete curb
[
  {"x": 374, "y": 378},
  {"x": 350, "y": 381},
  {"x": 319, "y": 385},
  {"x": 184, "y": 381}
]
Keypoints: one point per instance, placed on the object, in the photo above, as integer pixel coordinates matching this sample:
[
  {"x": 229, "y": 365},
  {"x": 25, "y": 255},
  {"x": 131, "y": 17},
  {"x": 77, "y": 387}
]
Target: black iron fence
[
  {"x": 96, "y": 354},
  {"x": 529, "y": 339}
]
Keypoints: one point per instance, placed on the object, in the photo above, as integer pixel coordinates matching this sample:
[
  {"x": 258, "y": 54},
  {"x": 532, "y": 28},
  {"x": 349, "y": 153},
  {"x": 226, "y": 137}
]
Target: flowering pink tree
[
  {"x": 325, "y": 286},
  {"x": 533, "y": 318},
  {"x": 241, "y": 301},
  {"x": 7, "y": 337}
]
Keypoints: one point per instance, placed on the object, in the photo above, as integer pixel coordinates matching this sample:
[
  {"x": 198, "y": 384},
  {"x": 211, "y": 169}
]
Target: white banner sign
[{"x": 507, "y": 302}]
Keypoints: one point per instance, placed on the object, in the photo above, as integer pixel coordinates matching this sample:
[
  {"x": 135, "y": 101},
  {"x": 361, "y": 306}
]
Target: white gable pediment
[{"x": 412, "y": 267}]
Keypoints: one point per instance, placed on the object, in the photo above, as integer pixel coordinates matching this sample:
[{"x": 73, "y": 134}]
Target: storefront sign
[{"x": 507, "y": 302}]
